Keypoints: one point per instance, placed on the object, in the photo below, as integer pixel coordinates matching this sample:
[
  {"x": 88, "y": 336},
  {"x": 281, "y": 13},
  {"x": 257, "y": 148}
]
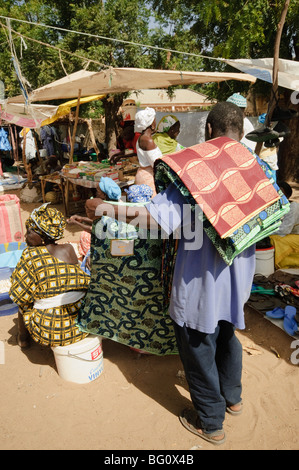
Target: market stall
[{"x": 89, "y": 174}]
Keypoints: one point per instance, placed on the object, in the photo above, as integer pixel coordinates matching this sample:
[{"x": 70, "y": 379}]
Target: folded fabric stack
[{"x": 240, "y": 201}]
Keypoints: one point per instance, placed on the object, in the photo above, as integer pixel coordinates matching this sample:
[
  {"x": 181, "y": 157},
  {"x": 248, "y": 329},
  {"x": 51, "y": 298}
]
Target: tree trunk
[
  {"x": 288, "y": 155},
  {"x": 112, "y": 119}
]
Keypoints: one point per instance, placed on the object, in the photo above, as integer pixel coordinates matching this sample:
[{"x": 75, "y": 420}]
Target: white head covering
[
  {"x": 144, "y": 119},
  {"x": 238, "y": 100},
  {"x": 166, "y": 123}
]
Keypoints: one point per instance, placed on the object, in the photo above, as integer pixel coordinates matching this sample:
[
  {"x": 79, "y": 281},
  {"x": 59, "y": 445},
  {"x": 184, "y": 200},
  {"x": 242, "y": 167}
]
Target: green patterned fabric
[
  {"x": 125, "y": 300},
  {"x": 260, "y": 226}
]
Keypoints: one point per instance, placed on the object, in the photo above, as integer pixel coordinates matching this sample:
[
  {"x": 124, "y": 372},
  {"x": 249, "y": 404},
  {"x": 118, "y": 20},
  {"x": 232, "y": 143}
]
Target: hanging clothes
[
  {"x": 30, "y": 148},
  {"x": 4, "y": 142},
  {"x": 47, "y": 134}
]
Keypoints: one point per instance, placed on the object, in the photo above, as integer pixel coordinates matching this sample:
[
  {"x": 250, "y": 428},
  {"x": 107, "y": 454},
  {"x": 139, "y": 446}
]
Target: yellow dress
[{"x": 39, "y": 276}]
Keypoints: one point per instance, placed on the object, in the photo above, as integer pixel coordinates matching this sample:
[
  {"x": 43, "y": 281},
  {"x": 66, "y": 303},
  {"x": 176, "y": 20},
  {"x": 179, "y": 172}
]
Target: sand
[{"x": 134, "y": 404}]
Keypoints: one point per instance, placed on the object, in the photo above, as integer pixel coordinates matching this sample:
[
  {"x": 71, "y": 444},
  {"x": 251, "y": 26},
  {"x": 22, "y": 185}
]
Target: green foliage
[
  {"x": 234, "y": 29},
  {"x": 116, "y": 28},
  {"x": 93, "y": 110},
  {"x": 114, "y": 19}
]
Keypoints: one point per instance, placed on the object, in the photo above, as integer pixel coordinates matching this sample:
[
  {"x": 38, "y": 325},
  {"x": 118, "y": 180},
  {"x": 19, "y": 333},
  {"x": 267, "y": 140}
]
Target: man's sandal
[
  {"x": 235, "y": 412},
  {"x": 189, "y": 418}
]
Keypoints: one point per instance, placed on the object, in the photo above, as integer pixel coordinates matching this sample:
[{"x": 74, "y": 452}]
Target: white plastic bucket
[
  {"x": 264, "y": 261},
  {"x": 80, "y": 362}
]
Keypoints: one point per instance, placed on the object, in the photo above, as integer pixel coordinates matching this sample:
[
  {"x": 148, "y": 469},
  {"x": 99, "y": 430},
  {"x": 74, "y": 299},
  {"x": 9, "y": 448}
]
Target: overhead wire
[
  {"x": 55, "y": 47},
  {"x": 148, "y": 46}
]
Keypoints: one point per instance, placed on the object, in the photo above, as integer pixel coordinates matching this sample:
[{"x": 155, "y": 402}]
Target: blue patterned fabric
[{"x": 139, "y": 193}]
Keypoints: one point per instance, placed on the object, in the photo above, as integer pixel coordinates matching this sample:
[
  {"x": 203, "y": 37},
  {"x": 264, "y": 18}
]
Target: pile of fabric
[{"x": 240, "y": 202}]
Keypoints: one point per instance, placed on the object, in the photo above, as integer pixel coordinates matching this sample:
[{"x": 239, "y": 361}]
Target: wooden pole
[
  {"x": 37, "y": 149},
  {"x": 75, "y": 128},
  {"x": 92, "y": 137},
  {"x": 26, "y": 165},
  {"x": 274, "y": 91},
  {"x": 66, "y": 196}
]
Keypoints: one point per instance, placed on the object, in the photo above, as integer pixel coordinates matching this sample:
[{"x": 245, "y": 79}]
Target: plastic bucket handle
[{"x": 74, "y": 356}]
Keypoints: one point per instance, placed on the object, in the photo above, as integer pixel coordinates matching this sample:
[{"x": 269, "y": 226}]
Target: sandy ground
[{"x": 134, "y": 404}]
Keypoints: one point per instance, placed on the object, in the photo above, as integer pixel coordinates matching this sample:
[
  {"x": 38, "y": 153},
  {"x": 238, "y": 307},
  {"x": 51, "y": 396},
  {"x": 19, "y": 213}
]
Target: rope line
[{"x": 110, "y": 39}]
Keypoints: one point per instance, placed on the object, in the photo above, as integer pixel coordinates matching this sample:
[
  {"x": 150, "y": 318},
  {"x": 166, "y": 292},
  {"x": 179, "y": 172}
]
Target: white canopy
[
  {"x": 288, "y": 70},
  {"x": 119, "y": 80},
  {"x": 30, "y": 116}
]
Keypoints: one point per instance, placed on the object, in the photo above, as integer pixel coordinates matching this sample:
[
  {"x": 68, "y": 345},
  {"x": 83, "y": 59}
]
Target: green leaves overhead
[{"x": 138, "y": 33}]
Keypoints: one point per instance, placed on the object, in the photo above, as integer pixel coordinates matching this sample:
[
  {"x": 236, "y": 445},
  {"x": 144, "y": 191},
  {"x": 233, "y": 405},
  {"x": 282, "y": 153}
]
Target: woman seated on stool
[{"x": 48, "y": 284}]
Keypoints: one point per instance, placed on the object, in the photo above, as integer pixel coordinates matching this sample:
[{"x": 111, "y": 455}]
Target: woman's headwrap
[
  {"x": 166, "y": 123},
  {"x": 109, "y": 187},
  {"x": 143, "y": 119},
  {"x": 139, "y": 193},
  {"x": 47, "y": 221}
]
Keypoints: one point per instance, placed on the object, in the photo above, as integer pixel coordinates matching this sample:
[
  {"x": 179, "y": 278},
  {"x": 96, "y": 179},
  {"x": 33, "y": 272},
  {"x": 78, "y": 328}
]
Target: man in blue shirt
[{"x": 207, "y": 300}]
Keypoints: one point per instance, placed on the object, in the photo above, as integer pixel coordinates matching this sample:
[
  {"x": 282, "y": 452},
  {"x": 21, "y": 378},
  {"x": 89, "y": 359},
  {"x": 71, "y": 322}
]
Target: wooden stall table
[
  {"x": 54, "y": 178},
  {"x": 88, "y": 175}
]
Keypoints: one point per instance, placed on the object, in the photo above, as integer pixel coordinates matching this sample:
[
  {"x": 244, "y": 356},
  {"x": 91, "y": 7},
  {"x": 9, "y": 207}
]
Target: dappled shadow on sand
[{"x": 159, "y": 377}]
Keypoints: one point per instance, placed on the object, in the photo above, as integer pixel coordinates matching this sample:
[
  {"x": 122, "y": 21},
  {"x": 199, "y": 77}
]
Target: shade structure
[
  {"x": 120, "y": 80},
  {"x": 288, "y": 70},
  {"x": 38, "y": 115},
  {"x": 30, "y": 116}
]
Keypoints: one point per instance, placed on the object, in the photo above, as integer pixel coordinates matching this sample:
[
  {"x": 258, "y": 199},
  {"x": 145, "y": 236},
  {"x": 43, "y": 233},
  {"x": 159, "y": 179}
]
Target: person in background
[
  {"x": 165, "y": 138},
  {"x": 290, "y": 222},
  {"x": 128, "y": 142},
  {"x": 147, "y": 150},
  {"x": 241, "y": 102},
  {"x": 48, "y": 284}
]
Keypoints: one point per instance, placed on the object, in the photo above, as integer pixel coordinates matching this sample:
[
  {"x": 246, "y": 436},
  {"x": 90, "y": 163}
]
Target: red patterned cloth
[{"x": 225, "y": 179}]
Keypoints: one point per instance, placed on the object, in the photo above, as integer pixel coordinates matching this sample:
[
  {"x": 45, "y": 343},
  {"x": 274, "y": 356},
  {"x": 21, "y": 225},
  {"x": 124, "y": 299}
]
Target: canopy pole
[
  {"x": 274, "y": 91},
  {"x": 26, "y": 165},
  {"x": 66, "y": 195},
  {"x": 75, "y": 128},
  {"x": 92, "y": 137}
]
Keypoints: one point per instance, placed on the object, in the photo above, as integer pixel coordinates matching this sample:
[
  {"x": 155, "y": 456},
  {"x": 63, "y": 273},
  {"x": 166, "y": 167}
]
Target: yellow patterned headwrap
[{"x": 47, "y": 221}]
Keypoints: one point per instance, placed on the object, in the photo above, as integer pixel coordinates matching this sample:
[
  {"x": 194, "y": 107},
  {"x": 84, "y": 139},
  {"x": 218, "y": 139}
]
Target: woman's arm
[
  {"x": 83, "y": 222},
  {"x": 134, "y": 215}
]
